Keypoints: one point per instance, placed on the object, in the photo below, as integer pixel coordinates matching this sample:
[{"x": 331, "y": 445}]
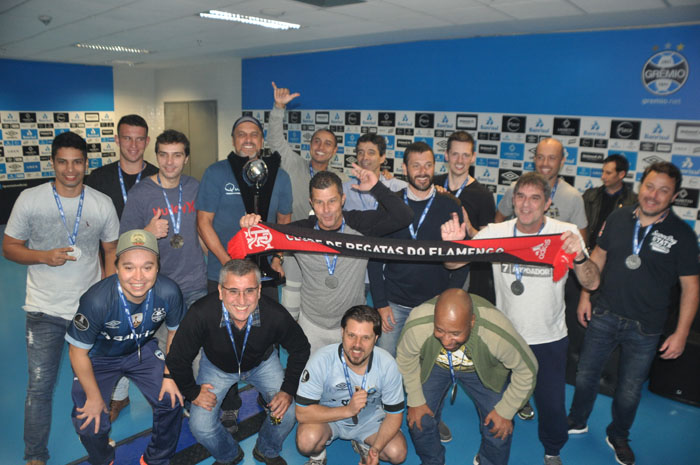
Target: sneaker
[
  {"x": 267, "y": 460},
  {"x": 576, "y": 428},
  {"x": 527, "y": 412},
  {"x": 236, "y": 460},
  {"x": 477, "y": 460},
  {"x": 445, "y": 433},
  {"x": 115, "y": 407},
  {"x": 552, "y": 460},
  {"x": 229, "y": 418},
  {"x": 361, "y": 448},
  {"x": 313, "y": 461},
  {"x": 623, "y": 453}
]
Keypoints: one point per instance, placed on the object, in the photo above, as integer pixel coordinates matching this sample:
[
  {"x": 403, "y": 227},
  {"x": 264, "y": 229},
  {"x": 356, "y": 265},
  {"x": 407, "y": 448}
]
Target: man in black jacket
[
  {"x": 600, "y": 201},
  {"x": 237, "y": 330}
]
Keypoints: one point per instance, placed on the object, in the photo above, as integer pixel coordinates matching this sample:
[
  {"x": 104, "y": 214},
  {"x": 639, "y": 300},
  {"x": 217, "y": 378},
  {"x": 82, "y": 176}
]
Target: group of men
[{"x": 114, "y": 256}]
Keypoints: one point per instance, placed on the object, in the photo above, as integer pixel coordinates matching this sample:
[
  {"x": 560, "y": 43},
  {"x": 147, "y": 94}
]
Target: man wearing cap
[
  {"x": 225, "y": 196},
  {"x": 112, "y": 336},
  {"x": 238, "y": 331},
  {"x": 56, "y": 228},
  {"x": 116, "y": 180}
]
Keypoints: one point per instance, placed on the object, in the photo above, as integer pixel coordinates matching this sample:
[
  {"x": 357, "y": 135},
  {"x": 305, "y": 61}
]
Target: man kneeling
[
  {"x": 461, "y": 339},
  {"x": 352, "y": 391}
]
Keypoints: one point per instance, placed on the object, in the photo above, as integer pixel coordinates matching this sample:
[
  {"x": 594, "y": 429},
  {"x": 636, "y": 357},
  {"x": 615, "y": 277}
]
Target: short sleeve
[
  {"x": 208, "y": 196},
  {"x": 505, "y": 206},
  {"x": 86, "y": 324},
  {"x": 392, "y": 392},
  {"x": 19, "y": 224},
  {"x": 312, "y": 380}
]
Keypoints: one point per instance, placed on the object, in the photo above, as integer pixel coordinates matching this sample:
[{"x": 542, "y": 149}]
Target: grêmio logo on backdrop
[{"x": 665, "y": 72}]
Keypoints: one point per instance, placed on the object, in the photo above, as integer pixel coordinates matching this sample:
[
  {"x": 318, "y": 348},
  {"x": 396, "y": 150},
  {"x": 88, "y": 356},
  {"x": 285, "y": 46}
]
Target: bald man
[
  {"x": 567, "y": 202},
  {"x": 460, "y": 338}
]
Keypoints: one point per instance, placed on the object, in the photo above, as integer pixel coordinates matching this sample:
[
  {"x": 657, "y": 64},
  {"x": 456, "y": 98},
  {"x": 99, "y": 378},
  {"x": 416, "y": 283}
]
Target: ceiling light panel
[{"x": 254, "y": 20}]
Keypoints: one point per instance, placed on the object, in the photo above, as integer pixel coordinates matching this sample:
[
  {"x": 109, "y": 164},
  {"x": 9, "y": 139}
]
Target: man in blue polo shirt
[{"x": 112, "y": 336}]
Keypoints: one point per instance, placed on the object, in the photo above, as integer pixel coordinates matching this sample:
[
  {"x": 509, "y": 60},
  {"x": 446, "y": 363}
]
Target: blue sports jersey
[
  {"x": 323, "y": 381},
  {"x": 100, "y": 325}
]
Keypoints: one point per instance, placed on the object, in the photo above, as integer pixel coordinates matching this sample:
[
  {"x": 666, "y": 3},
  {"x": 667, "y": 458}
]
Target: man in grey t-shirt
[{"x": 56, "y": 228}]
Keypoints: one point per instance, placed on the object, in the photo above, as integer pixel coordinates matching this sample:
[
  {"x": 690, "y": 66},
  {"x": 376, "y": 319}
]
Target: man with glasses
[{"x": 237, "y": 331}]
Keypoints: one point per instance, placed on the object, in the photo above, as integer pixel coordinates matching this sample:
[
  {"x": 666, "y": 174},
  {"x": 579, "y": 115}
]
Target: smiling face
[
  {"x": 459, "y": 157},
  {"x": 132, "y": 142},
  {"x": 171, "y": 161},
  {"x": 240, "y": 295},
  {"x": 358, "y": 341},
  {"x": 549, "y": 159},
  {"x": 137, "y": 270},
  {"x": 69, "y": 166},
  {"x": 656, "y": 193},
  {"x": 419, "y": 170},
  {"x": 247, "y": 140},
  {"x": 530, "y": 203},
  {"x": 323, "y": 146},
  {"x": 368, "y": 157}
]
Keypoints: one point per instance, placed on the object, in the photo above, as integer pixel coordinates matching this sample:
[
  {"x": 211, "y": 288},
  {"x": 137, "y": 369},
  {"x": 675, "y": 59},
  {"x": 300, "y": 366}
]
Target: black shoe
[
  {"x": 576, "y": 428},
  {"x": 527, "y": 412},
  {"x": 268, "y": 460},
  {"x": 238, "y": 459},
  {"x": 444, "y": 432},
  {"x": 229, "y": 418},
  {"x": 623, "y": 453}
]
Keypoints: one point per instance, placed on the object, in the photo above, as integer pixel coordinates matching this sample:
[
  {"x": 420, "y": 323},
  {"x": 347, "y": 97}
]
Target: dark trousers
[
  {"x": 552, "y": 427},
  {"x": 148, "y": 376}
]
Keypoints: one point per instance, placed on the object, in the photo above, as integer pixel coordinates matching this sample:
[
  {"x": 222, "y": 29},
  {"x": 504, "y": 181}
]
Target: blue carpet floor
[{"x": 665, "y": 432}]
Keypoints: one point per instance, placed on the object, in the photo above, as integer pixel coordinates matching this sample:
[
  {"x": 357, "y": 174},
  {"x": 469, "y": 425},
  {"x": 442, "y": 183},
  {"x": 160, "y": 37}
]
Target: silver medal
[
  {"x": 517, "y": 287},
  {"x": 453, "y": 396},
  {"x": 331, "y": 282},
  {"x": 633, "y": 262},
  {"x": 177, "y": 241},
  {"x": 76, "y": 252}
]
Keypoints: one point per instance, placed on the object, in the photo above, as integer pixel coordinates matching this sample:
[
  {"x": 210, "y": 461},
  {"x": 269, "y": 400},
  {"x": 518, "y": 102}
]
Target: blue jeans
[
  {"x": 45, "y": 340},
  {"x": 493, "y": 451},
  {"x": 605, "y": 332},
  {"x": 205, "y": 425},
  {"x": 389, "y": 341}
]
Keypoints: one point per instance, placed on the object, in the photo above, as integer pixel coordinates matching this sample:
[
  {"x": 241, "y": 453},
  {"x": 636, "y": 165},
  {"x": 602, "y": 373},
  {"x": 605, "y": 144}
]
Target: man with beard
[
  {"x": 224, "y": 197},
  {"x": 631, "y": 307},
  {"x": 352, "y": 391},
  {"x": 396, "y": 286},
  {"x": 462, "y": 339}
]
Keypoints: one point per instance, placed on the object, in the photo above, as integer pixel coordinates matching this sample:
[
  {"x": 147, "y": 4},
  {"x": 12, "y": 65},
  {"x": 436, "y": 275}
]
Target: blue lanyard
[
  {"x": 71, "y": 237},
  {"x": 230, "y": 335},
  {"x": 452, "y": 370},
  {"x": 176, "y": 224},
  {"x": 411, "y": 229},
  {"x": 311, "y": 170},
  {"x": 347, "y": 376},
  {"x": 121, "y": 179},
  {"x": 554, "y": 190},
  {"x": 329, "y": 265},
  {"x": 459, "y": 191},
  {"x": 516, "y": 267},
  {"x": 636, "y": 243},
  {"x": 128, "y": 315}
]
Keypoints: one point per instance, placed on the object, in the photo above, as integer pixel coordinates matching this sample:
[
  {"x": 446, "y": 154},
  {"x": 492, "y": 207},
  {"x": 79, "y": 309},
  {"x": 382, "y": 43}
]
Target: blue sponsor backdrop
[{"x": 584, "y": 73}]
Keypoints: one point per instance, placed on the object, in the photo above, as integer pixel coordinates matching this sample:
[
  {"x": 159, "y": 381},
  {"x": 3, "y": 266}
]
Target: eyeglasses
[{"x": 250, "y": 292}]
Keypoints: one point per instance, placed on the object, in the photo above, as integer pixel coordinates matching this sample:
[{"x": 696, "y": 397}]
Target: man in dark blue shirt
[{"x": 111, "y": 336}]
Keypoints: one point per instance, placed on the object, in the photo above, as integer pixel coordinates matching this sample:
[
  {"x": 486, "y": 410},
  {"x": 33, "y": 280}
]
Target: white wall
[
  {"x": 145, "y": 91},
  {"x": 220, "y": 81},
  {"x": 134, "y": 92}
]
